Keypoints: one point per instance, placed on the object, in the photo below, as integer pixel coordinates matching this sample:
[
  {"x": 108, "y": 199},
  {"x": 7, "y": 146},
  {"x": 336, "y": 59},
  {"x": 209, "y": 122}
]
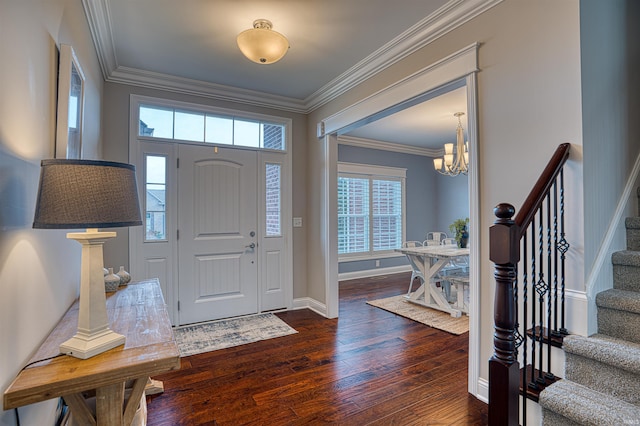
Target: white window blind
[{"x": 371, "y": 212}]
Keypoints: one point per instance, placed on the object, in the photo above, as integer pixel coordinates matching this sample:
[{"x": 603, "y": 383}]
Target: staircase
[{"x": 602, "y": 384}]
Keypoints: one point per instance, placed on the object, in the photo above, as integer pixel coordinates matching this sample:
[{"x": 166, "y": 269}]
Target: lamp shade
[
  {"x": 86, "y": 194},
  {"x": 261, "y": 44}
]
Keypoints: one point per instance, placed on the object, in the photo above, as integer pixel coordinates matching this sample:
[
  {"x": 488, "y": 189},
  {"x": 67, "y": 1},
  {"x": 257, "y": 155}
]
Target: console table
[{"x": 138, "y": 312}]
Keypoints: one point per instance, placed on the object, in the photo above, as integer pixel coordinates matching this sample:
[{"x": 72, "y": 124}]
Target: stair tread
[
  {"x": 587, "y": 406},
  {"x": 632, "y": 222},
  {"x": 607, "y": 350},
  {"x": 626, "y": 258},
  {"x": 622, "y": 300}
]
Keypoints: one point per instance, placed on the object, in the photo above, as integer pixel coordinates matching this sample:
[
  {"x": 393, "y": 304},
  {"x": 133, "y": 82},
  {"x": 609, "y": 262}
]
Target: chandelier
[{"x": 453, "y": 164}]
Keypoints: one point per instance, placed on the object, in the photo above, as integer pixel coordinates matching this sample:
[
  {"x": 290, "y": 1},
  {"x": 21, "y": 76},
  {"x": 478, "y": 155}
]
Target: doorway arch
[{"x": 436, "y": 78}]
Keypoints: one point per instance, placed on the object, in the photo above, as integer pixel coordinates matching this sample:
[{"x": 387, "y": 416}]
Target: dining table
[{"x": 431, "y": 260}]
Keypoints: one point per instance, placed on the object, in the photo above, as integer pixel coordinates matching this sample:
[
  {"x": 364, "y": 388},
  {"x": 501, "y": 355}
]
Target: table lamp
[{"x": 88, "y": 194}]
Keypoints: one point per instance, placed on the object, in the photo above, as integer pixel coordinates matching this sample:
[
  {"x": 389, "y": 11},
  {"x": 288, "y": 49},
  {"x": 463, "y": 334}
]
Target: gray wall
[
  {"x": 39, "y": 268},
  {"x": 432, "y": 201},
  {"x": 610, "y": 53},
  {"x": 452, "y": 200},
  {"x": 529, "y": 101}
]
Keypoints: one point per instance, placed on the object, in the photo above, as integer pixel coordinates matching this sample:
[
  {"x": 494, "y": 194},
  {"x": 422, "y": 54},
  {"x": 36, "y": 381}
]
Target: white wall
[
  {"x": 529, "y": 101},
  {"x": 39, "y": 269}
]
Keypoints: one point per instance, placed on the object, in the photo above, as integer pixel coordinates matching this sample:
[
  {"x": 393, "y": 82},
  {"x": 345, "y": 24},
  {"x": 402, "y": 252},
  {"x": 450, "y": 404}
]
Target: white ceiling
[{"x": 192, "y": 43}]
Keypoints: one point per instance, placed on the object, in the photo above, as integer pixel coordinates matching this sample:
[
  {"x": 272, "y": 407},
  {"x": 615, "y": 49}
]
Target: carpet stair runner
[{"x": 602, "y": 384}]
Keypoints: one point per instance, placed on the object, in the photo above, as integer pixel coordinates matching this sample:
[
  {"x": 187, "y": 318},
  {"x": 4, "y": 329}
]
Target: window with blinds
[{"x": 371, "y": 213}]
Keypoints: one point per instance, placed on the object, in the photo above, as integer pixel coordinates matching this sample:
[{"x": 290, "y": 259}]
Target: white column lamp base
[{"x": 93, "y": 335}]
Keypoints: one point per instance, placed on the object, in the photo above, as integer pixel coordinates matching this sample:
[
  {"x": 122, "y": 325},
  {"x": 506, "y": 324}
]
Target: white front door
[{"x": 217, "y": 224}]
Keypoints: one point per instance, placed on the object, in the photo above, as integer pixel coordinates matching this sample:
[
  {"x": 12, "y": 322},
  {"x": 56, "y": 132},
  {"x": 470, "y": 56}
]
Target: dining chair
[
  {"x": 416, "y": 272},
  {"x": 448, "y": 241},
  {"x": 436, "y": 235}
]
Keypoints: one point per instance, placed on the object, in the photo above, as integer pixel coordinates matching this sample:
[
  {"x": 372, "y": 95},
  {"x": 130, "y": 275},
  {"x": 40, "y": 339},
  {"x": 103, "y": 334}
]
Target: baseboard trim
[
  {"x": 483, "y": 390},
  {"x": 577, "y": 309},
  {"x": 368, "y": 273},
  {"x": 310, "y": 303}
]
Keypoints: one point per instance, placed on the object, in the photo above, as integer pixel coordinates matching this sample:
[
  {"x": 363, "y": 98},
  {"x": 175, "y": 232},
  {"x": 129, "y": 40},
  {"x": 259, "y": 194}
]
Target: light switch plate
[{"x": 297, "y": 222}]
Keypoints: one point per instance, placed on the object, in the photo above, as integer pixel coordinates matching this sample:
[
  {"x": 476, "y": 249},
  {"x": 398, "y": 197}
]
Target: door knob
[{"x": 251, "y": 246}]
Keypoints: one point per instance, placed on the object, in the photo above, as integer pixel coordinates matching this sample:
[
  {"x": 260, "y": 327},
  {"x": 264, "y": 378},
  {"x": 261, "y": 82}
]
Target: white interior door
[{"x": 217, "y": 224}]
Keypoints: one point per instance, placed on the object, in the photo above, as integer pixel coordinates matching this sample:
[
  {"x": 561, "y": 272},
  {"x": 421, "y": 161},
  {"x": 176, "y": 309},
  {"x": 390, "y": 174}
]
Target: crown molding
[
  {"x": 171, "y": 83},
  {"x": 99, "y": 19},
  {"x": 388, "y": 146},
  {"x": 450, "y": 16},
  {"x": 447, "y": 18}
]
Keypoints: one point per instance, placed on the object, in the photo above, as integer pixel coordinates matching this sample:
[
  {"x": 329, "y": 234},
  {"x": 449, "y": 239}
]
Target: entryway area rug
[
  {"x": 431, "y": 317},
  {"x": 221, "y": 334}
]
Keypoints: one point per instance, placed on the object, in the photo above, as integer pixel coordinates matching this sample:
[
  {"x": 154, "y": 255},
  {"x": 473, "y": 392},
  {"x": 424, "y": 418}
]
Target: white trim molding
[
  {"x": 483, "y": 390},
  {"x": 310, "y": 303},
  {"x": 388, "y": 146},
  {"x": 447, "y": 70},
  {"x": 450, "y": 16},
  {"x": 368, "y": 273},
  {"x": 444, "y": 20},
  {"x": 576, "y": 307},
  {"x": 456, "y": 70}
]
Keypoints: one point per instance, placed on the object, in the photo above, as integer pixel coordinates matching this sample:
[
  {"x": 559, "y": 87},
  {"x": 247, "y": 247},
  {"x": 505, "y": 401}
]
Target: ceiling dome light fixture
[
  {"x": 453, "y": 166},
  {"x": 261, "y": 44}
]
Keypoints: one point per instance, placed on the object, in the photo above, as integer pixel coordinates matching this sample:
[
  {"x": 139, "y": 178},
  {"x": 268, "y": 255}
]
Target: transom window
[
  {"x": 371, "y": 210},
  {"x": 172, "y": 123}
]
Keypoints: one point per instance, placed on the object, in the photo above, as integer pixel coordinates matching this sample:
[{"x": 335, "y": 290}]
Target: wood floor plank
[{"x": 369, "y": 366}]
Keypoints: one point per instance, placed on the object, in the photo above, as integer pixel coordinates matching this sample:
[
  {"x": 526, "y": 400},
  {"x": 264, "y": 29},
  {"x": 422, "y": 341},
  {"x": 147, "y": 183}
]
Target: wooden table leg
[
  {"x": 153, "y": 387},
  {"x": 80, "y": 411},
  {"x": 109, "y": 405},
  {"x": 134, "y": 399}
]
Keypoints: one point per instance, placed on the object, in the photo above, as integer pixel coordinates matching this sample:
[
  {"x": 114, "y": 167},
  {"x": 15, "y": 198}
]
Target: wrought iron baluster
[
  {"x": 547, "y": 373},
  {"x": 532, "y": 383},
  {"x": 563, "y": 247},
  {"x": 525, "y": 309},
  {"x": 541, "y": 289}
]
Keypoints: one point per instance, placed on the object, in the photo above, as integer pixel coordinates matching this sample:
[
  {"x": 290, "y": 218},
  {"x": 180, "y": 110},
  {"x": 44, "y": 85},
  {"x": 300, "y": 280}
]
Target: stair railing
[{"x": 528, "y": 305}]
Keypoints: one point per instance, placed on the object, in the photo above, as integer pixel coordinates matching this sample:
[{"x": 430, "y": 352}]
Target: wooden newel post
[{"x": 504, "y": 379}]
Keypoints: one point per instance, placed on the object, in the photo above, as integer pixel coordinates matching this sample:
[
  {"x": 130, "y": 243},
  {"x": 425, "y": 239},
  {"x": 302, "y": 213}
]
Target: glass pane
[
  {"x": 272, "y": 200},
  {"x": 246, "y": 133},
  {"x": 189, "y": 126},
  {"x": 219, "y": 130},
  {"x": 387, "y": 214},
  {"x": 156, "y": 122},
  {"x": 353, "y": 215},
  {"x": 273, "y": 136},
  {"x": 155, "y": 197}
]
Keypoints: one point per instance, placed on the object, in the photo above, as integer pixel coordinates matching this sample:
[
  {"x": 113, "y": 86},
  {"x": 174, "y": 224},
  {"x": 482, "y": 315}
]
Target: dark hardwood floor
[{"x": 367, "y": 367}]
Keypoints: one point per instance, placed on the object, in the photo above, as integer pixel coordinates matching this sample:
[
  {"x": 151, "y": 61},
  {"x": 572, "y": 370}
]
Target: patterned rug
[
  {"x": 211, "y": 336},
  {"x": 431, "y": 317}
]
